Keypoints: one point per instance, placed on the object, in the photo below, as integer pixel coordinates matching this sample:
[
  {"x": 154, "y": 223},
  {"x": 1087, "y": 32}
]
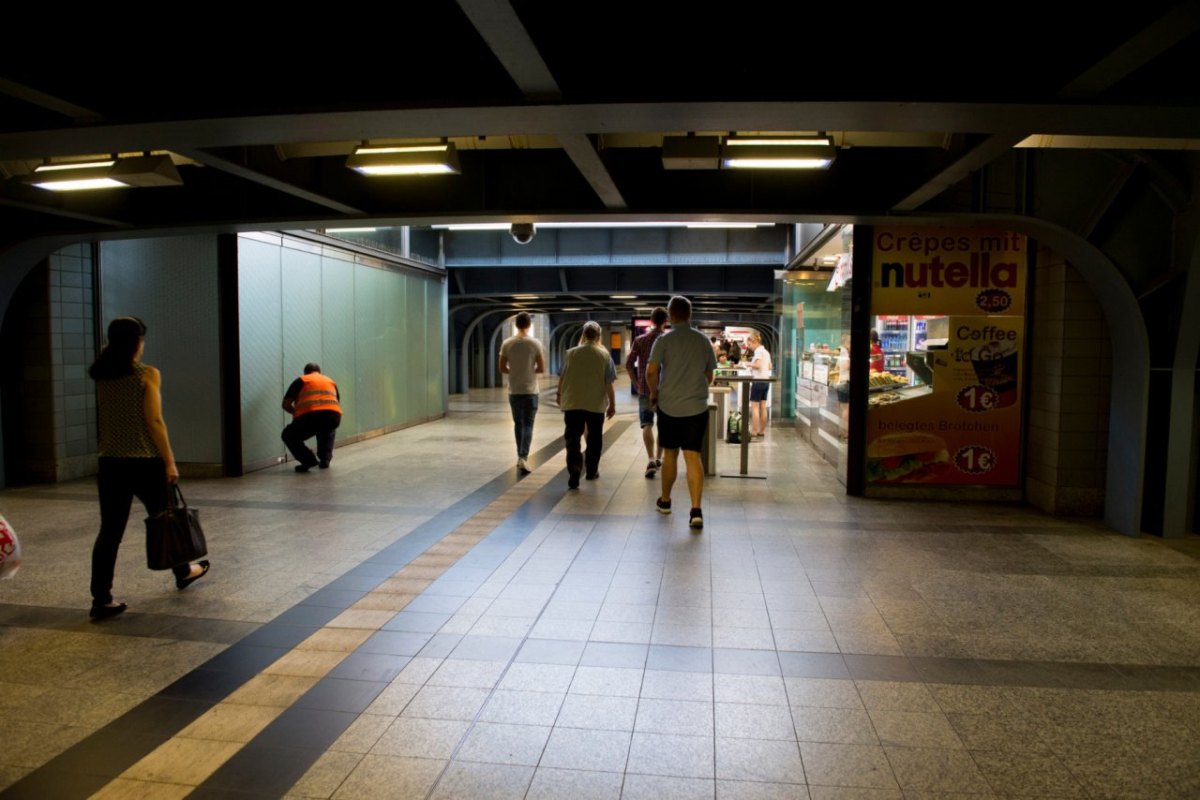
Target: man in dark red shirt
[{"x": 635, "y": 365}]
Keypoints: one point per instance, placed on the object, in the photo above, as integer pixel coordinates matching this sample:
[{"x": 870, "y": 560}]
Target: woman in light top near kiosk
[{"x": 760, "y": 367}]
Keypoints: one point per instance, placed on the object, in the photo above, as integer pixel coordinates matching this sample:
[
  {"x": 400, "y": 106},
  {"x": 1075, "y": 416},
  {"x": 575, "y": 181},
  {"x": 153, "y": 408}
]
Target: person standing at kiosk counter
[{"x": 760, "y": 367}]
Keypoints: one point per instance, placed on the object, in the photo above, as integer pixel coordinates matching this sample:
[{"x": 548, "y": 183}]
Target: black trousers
[
  {"x": 119, "y": 481},
  {"x": 576, "y": 422},
  {"x": 320, "y": 424}
]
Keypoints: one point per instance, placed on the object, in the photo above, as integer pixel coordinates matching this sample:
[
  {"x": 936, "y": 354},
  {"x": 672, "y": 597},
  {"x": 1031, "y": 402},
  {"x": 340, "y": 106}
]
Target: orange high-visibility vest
[{"x": 318, "y": 394}]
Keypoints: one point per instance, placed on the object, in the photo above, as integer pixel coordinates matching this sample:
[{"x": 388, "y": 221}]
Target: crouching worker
[{"x": 312, "y": 400}]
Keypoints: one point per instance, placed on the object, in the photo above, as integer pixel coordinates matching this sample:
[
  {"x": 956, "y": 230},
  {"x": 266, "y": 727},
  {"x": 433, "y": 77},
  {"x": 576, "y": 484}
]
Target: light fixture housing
[
  {"x": 392, "y": 160},
  {"x": 116, "y": 173},
  {"x": 691, "y": 152},
  {"x": 778, "y": 152}
]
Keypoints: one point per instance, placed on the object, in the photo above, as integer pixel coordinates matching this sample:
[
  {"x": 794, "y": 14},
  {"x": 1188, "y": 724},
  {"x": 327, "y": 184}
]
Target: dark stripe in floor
[
  {"x": 271, "y": 763},
  {"x": 86, "y": 767},
  {"x": 157, "y": 626}
]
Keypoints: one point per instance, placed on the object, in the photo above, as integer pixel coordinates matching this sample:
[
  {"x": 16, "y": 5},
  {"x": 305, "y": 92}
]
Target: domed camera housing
[{"x": 522, "y": 232}]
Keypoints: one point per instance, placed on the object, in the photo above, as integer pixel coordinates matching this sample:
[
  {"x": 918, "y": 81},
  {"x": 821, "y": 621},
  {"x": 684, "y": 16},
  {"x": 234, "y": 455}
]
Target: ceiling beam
[
  {"x": 85, "y": 115},
  {"x": 1158, "y": 37},
  {"x": 1151, "y": 42},
  {"x": 975, "y": 159},
  {"x": 501, "y": 29},
  {"x": 1144, "y": 47},
  {"x": 813, "y": 247},
  {"x": 1105, "y": 200},
  {"x": 48, "y": 102},
  {"x": 245, "y": 173},
  {"x": 1167, "y": 121},
  {"x": 41, "y": 208},
  {"x": 583, "y": 153}
]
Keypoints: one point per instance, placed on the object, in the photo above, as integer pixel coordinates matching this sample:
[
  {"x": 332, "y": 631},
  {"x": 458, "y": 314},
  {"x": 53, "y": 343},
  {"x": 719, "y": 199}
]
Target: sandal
[{"x": 183, "y": 583}]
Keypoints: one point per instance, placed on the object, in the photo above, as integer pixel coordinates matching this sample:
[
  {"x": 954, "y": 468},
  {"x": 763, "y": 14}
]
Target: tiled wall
[
  {"x": 51, "y": 343},
  {"x": 72, "y": 349},
  {"x": 1070, "y": 379}
]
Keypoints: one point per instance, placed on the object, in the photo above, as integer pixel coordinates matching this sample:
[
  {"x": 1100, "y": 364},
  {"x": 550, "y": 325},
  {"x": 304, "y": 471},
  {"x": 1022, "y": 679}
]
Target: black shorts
[
  {"x": 758, "y": 391},
  {"x": 685, "y": 433}
]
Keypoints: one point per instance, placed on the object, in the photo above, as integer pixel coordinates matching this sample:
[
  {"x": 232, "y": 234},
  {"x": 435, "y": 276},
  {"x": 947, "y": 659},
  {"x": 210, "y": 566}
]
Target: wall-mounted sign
[
  {"x": 956, "y": 419},
  {"x": 948, "y": 271}
]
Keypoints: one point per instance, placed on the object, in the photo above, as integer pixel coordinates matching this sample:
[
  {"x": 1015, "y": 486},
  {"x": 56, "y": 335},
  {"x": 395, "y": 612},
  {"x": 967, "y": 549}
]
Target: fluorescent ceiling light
[
  {"x": 423, "y": 148},
  {"x": 75, "y": 165},
  {"x": 623, "y": 296},
  {"x": 138, "y": 171},
  {"x": 779, "y": 141},
  {"x": 738, "y": 162},
  {"x": 350, "y": 230},
  {"x": 572, "y": 309},
  {"x": 440, "y": 159},
  {"x": 731, "y": 224},
  {"x": 81, "y": 184},
  {"x": 811, "y": 152},
  {"x": 473, "y": 226},
  {"x": 525, "y": 296}
]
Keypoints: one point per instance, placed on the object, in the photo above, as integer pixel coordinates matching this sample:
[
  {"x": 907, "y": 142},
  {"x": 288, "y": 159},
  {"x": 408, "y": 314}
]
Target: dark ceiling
[{"x": 573, "y": 103}]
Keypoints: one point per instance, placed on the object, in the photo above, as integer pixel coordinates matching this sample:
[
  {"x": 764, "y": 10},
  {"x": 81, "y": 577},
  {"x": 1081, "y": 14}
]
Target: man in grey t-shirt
[
  {"x": 679, "y": 373},
  {"x": 521, "y": 359}
]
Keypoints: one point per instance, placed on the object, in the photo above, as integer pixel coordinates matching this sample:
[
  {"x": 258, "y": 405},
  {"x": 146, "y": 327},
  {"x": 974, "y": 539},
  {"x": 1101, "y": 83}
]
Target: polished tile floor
[{"x": 419, "y": 622}]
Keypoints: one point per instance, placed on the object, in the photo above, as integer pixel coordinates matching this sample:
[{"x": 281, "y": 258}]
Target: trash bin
[{"x": 708, "y": 453}]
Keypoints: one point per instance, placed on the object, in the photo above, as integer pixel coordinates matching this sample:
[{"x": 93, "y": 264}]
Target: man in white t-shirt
[
  {"x": 521, "y": 359},
  {"x": 760, "y": 367}
]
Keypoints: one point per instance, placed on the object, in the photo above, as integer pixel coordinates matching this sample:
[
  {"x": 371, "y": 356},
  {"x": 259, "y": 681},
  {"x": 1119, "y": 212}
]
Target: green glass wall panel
[
  {"x": 435, "y": 306},
  {"x": 301, "y": 271},
  {"x": 260, "y": 317},
  {"x": 395, "y": 353},
  {"x": 379, "y": 304},
  {"x": 338, "y": 358},
  {"x": 378, "y": 332},
  {"x": 420, "y": 341}
]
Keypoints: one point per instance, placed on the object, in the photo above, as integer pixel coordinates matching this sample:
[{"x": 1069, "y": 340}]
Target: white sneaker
[{"x": 522, "y": 466}]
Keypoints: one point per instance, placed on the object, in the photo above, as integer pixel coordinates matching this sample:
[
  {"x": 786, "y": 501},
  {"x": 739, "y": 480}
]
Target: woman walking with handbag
[{"x": 135, "y": 455}]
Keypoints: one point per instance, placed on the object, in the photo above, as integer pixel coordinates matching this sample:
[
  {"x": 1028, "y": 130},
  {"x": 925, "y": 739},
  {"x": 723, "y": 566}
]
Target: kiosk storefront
[{"x": 906, "y": 364}]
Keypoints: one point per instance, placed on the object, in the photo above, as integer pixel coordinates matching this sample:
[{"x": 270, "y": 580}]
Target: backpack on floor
[{"x": 733, "y": 427}]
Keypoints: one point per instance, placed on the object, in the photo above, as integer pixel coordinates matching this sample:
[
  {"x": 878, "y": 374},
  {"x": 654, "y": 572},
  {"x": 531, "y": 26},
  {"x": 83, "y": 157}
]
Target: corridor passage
[{"x": 417, "y": 622}]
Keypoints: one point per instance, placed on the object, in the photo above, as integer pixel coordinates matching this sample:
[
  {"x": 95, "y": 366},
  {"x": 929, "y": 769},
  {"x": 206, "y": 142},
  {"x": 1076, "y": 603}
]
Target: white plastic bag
[{"x": 10, "y": 550}]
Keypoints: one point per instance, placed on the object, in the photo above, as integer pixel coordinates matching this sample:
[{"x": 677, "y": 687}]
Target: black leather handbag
[{"x": 174, "y": 536}]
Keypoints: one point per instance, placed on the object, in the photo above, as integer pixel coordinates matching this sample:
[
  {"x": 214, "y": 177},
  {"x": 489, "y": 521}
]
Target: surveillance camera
[{"x": 522, "y": 232}]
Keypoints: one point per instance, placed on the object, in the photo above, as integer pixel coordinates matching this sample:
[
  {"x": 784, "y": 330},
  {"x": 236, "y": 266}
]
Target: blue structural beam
[{"x": 618, "y": 247}]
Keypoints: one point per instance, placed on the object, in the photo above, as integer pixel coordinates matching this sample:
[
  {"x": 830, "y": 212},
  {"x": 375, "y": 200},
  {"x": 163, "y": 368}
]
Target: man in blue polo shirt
[{"x": 680, "y": 371}]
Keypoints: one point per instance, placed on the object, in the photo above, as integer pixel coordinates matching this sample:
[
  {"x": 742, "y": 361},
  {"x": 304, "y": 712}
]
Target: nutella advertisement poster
[
  {"x": 948, "y": 271},
  {"x": 959, "y": 422}
]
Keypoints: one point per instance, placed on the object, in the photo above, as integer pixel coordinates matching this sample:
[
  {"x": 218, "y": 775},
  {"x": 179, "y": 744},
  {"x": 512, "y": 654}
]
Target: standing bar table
[{"x": 745, "y": 380}]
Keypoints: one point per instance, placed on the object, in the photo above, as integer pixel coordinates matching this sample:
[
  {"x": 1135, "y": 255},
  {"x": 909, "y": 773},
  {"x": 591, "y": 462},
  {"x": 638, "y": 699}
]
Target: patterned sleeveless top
[{"x": 122, "y": 412}]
